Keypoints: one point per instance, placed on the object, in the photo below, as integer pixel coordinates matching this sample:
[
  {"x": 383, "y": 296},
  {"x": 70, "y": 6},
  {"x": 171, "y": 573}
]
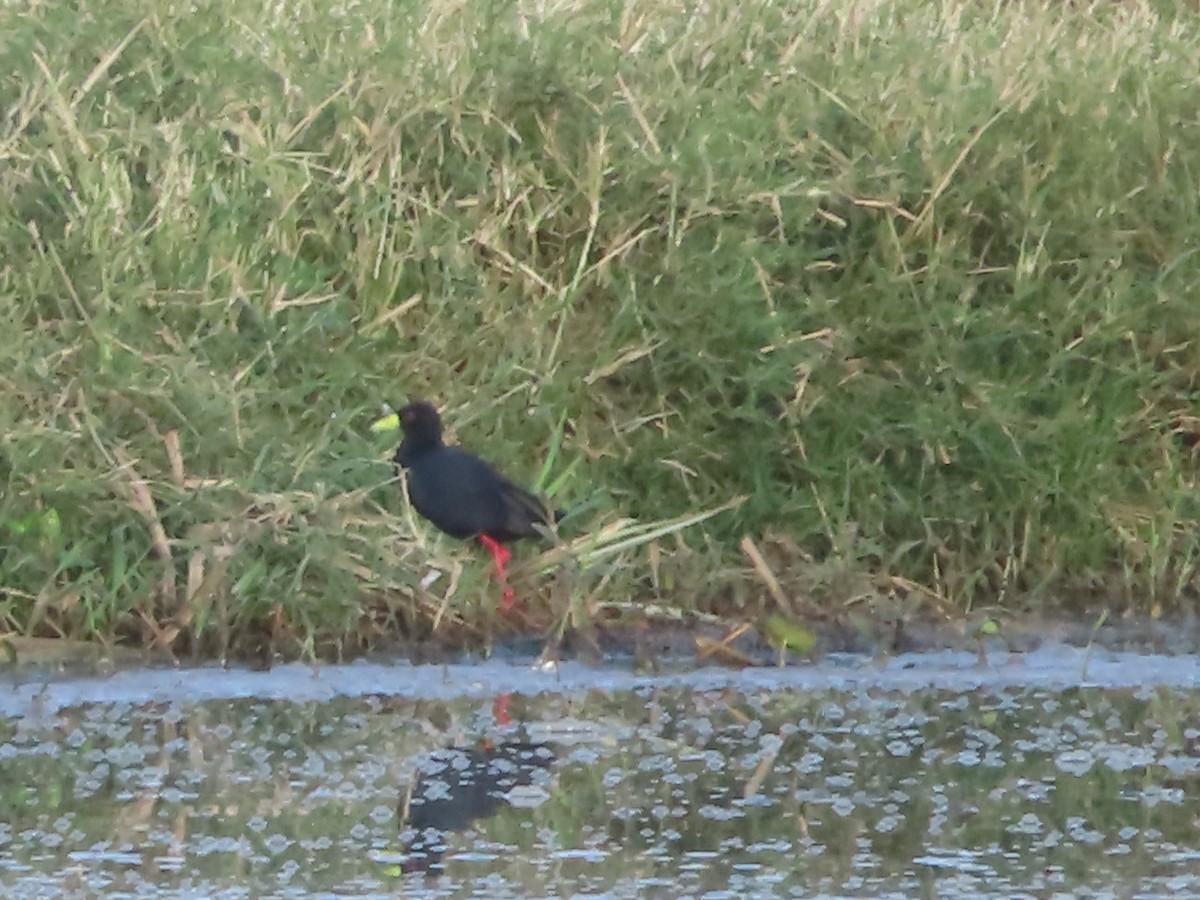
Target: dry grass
[{"x": 916, "y": 281}]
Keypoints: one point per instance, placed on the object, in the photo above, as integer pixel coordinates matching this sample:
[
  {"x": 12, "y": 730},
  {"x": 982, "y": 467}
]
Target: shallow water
[{"x": 1052, "y": 773}]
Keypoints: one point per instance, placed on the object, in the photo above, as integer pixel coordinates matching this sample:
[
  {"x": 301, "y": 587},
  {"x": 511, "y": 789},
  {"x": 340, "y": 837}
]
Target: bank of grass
[{"x": 918, "y": 281}]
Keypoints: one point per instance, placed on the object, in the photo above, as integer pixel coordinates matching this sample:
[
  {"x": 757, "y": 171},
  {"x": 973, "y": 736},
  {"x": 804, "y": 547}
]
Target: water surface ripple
[{"x": 1057, "y": 773}]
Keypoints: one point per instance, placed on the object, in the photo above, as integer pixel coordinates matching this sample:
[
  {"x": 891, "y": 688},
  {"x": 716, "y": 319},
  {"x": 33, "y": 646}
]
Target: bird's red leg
[{"x": 500, "y": 556}]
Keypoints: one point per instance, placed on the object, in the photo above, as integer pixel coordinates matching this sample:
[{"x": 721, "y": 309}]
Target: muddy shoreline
[{"x": 666, "y": 646}]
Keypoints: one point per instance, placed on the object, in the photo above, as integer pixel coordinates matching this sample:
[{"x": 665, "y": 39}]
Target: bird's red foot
[
  {"x": 500, "y": 709},
  {"x": 500, "y": 557}
]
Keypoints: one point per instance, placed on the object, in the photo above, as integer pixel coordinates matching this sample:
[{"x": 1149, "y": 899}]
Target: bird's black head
[{"x": 422, "y": 431}]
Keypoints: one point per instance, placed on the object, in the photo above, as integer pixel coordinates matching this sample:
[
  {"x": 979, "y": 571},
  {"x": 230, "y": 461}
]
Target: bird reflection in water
[{"x": 457, "y": 786}]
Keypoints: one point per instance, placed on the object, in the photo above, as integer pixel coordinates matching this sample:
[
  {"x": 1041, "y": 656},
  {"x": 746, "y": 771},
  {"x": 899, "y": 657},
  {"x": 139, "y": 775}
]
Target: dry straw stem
[
  {"x": 138, "y": 493},
  {"x": 622, "y": 535},
  {"x": 764, "y": 572}
]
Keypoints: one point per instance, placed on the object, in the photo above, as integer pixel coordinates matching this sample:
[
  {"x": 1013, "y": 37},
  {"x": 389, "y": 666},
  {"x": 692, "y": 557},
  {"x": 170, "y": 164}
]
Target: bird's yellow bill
[{"x": 390, "y": 422}]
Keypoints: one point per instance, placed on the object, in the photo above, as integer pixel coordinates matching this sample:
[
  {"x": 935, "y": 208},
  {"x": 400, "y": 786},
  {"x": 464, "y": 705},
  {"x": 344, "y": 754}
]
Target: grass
[{"x": 916, "y": 281}]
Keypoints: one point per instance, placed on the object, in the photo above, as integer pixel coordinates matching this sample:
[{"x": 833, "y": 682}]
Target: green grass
[{"x": 919, "y": 281}]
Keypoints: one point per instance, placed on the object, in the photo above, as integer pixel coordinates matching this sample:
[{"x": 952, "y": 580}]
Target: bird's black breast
[{"x": 458, "y": 492}]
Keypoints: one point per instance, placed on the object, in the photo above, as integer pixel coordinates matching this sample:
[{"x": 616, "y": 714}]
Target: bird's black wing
[
  {"x": 524, "y": 510},
  {"x": 466, "y": 497}
]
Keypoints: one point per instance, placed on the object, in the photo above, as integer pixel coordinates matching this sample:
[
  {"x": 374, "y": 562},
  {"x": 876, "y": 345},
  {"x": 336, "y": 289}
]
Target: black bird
[{"x": 464, "y": 496}]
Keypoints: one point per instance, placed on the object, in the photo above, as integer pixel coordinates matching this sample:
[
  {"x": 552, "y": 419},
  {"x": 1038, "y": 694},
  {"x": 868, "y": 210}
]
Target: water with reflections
[{"x": 1040, "y": 775}]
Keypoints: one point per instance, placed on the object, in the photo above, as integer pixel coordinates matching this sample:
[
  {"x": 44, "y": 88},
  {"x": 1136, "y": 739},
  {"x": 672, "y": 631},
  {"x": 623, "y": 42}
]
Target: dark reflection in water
[
  {"x": 658, "y": 791},
  {"x": 459, "y": 785}
]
